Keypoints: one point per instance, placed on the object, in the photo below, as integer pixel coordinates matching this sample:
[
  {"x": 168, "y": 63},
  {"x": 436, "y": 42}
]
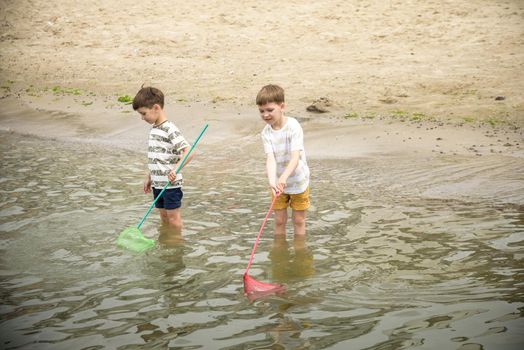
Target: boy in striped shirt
[
  {"x": 286, "y": 165},
  {"x": 167, "y": 147}
]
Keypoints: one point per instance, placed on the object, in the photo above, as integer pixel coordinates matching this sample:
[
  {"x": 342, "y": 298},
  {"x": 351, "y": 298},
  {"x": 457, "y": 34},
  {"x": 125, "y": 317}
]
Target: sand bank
[{"x": 105, "y": 120}]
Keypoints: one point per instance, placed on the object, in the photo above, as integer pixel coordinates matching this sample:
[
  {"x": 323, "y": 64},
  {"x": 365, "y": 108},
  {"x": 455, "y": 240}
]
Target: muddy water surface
[{"x": 384, "y": 266}]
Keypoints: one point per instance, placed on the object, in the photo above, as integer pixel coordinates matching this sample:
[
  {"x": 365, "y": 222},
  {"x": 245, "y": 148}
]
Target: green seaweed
[
  {"x": 493, "y": 121},
  {"x": 7, "y": 85},
  {"x": 417, "y": 116},
  {"x": 58, "y": 90},
  {"x": 125, "y": 99},
  {"x": 399, "y": 113},
  {"x": 351, "y": 115}
]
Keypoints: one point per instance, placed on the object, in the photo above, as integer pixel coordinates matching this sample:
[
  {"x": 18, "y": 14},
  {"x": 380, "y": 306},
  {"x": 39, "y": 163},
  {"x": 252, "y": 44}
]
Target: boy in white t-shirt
[{"x": 286, "y": 165}]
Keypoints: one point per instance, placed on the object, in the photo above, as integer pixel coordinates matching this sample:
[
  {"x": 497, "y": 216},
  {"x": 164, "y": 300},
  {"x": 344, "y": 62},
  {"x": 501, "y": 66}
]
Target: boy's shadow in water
[{"x": 290, "y": 265}]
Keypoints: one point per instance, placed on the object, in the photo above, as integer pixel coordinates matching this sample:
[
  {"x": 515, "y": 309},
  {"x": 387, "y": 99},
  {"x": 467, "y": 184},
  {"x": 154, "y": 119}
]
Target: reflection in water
[
  {"x": 287, "y": 264},
  {"x": 173, "y": 248},
  {"x": 169, "y": 236},
  {"x": 170, "y": 261},
  {"x": 382, "y": 268}
]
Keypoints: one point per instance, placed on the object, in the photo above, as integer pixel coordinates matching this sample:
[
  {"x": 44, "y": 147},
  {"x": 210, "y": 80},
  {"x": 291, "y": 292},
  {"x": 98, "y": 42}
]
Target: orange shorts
[{"x": 299, "y": 201}]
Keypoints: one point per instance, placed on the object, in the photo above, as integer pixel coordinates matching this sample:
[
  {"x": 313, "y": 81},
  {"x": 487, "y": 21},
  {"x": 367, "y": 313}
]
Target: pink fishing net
[
  {"x": 253, "y": 288},
  {"x": 256, "y": 289}
]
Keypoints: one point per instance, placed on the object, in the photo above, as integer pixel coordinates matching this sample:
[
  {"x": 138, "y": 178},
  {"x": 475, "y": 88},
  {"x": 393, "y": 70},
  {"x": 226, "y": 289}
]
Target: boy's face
[
  {"x": 271, "y": 112},
  {"x": 150, "y": 115}
]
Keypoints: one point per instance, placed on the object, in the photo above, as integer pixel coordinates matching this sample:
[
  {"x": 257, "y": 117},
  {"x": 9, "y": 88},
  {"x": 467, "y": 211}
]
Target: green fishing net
[{"x": 131, "y": 238}]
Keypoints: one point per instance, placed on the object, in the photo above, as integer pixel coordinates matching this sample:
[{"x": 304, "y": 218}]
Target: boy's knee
[
  {"x": 280, "y": 217},
  {"x": 176, "y": 223},
  {"x": 280, "y": 221},
  {"x": 299, "y": 220}
]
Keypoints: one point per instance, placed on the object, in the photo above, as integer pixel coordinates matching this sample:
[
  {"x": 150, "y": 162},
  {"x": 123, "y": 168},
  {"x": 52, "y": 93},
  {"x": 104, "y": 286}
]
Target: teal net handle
[{"x": 177, "y": 170}]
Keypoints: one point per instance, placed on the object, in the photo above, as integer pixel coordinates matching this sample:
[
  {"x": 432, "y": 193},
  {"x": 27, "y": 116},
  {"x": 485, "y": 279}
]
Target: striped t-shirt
[
  {"x": 281, "y": 143},
  {"x": 166, "y": 144}
]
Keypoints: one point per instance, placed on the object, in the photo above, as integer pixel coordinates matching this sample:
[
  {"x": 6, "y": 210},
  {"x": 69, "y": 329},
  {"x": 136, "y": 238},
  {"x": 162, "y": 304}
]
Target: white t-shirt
[{"x": 281, "y": 143}]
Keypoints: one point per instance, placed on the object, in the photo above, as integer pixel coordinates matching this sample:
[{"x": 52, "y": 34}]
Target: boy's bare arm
[
  {"x": 172, "y": 174},
  {"x": 290, "y": 168},
  {"x": 147, "y": 183},
  {"x": 271, "y": 170}
]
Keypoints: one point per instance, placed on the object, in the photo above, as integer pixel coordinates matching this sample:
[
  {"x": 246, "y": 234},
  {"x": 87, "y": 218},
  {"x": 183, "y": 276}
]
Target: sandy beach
[
  {"x": 432, "y": 79},
  {"x": 457, "y": 60}
]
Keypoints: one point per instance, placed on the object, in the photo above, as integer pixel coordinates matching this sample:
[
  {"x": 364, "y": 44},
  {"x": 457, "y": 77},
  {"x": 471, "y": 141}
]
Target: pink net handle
[{"x": 260, "y": 232}]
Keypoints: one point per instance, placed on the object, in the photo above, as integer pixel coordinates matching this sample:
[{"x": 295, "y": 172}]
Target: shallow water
[{"x": 382, "y": 267}]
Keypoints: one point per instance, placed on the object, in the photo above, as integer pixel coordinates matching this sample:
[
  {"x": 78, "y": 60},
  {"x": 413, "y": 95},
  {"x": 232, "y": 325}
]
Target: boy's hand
[
  {"x": 273, "y": 187},
  {"x": 171, "y": 176},
  {"x": 147, "y": 184},
  {"x": 280, "y": 187},
  {"x": 281, "y": 184},
  {"x": 276, "y": 189}
]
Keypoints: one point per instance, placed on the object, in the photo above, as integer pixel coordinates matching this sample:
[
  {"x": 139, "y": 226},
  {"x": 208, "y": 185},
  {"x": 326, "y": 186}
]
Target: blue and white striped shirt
[{"x": 166, "y": 144}]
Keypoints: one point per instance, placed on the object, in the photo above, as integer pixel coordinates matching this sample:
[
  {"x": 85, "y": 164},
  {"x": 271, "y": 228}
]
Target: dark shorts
[{"x": 170, "y": 199}]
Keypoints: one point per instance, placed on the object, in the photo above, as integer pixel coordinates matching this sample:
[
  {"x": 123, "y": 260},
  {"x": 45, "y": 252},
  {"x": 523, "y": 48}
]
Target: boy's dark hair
[
  {"x": 147, "y": 97},
  {"x": 270, "y": 93}
]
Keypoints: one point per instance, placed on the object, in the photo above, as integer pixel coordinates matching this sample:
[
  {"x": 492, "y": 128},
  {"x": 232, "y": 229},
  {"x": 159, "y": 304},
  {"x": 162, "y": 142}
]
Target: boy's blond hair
[
  {"x": 270, "y": 94},
  {"x": 148, "y": 97}
]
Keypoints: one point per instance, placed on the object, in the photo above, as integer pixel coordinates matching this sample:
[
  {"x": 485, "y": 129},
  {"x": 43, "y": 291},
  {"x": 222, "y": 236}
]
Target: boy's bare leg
[
  {"x": 299, "y": 222},
  {"x": 302, "y": 265},
  {"x": 173, "y": 218},
  {"x": 299, "y": 242},
  {"x": 163, "y": 215},
  {"x": 279, "y": 257},
  {"x": 169, "y": 236},
  {"x": 280, "y": 221}
]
